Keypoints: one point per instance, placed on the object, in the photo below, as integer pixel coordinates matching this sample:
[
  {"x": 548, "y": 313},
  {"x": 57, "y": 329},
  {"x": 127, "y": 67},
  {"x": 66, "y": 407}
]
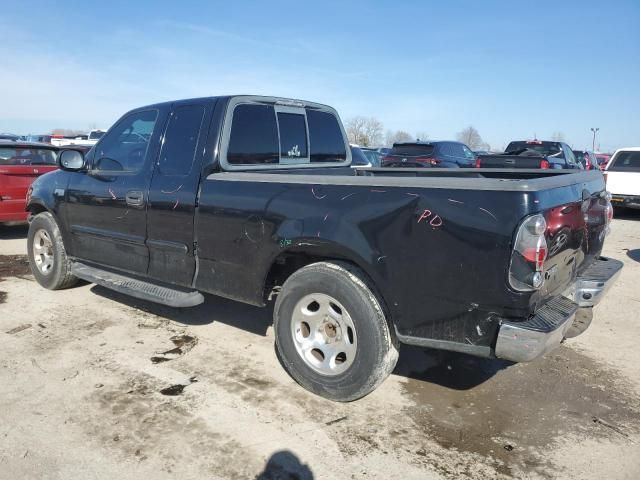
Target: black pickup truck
[
  {"x": 532, "y": 154},
  {"x": 253, "y": 198}
]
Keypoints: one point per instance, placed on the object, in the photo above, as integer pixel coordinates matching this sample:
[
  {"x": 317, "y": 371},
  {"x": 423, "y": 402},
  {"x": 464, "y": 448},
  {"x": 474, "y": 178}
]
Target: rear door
[
  {"x": 173, "y": 194},
  {"x": 105, "y": 207}
]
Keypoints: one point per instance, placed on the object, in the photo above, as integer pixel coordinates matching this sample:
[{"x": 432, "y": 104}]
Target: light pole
[{"x": 593, "y": 146}]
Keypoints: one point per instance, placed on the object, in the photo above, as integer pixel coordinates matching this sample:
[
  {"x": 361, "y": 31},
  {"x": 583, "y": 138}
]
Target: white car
[
  {"x": 88, "y": 140},
  {"x": 623, "y": 177}
]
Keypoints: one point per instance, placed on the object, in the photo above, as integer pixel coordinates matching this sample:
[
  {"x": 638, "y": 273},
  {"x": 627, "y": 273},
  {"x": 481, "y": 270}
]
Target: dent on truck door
[
  {"x": 106, "y": 206},
  {"x": 172, "y": 195}
]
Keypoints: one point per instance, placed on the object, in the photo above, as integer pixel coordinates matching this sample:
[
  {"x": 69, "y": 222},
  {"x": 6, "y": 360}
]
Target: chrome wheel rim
[
  {"x": 324, "y": 334},
  {"x": 43, "y": 251}
]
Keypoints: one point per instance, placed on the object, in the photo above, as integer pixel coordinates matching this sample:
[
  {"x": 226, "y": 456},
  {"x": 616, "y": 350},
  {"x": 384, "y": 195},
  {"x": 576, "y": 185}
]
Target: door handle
[{"x": 135, "y": 198}]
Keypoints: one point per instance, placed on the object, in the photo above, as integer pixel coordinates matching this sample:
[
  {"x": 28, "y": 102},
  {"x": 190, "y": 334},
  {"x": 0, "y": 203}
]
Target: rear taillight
[
  {"x": 544, "y": 164},
  {"x": 526, "y": 272},
  {"x": 604, "y": 174},
  {"x": 478, "y": 163},
  {"x": 423, "y": 160},
  {"x": 434, "y": 161}
]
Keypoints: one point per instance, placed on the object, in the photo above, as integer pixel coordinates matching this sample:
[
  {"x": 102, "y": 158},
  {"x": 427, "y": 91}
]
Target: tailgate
[
  {"x": 509, "y": 161},
  {"x": 16, "y": 179},
  {"x": 575, "y": 236}
]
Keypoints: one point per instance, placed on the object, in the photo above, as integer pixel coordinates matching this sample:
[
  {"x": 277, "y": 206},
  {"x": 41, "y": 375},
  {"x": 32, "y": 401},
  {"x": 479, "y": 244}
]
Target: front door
[
  {"x": 173, "y": 192},
  {"x": 106, "y": 206}
]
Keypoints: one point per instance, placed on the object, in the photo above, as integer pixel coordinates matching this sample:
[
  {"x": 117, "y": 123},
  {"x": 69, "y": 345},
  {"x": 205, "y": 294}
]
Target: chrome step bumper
[{"x": 529, "y": 339}]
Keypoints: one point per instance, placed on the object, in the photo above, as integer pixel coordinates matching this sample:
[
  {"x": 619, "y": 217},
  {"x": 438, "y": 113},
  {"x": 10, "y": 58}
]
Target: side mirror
[{"x": 71, "y": 160}]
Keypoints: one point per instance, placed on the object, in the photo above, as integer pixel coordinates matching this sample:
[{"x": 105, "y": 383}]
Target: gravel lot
[{"x": 99, "y": 385}]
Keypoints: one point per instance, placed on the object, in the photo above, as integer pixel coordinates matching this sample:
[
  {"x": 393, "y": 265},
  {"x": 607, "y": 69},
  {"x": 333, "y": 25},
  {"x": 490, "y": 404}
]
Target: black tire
[
  {"x": 377, "y": 348},
  {"x": 59, "y": 276}
]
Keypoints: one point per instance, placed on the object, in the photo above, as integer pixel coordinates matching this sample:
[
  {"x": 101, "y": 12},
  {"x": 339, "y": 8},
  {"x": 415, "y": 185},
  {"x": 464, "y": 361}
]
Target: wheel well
[
  {"x": 287, "y": 263},
  {"x": 36, "y": 208}
]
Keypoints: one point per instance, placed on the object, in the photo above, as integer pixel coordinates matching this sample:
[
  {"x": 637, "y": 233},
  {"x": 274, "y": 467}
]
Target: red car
[
  {"x": 603, "y": 159},
  {"x": 20, "y": 164}
]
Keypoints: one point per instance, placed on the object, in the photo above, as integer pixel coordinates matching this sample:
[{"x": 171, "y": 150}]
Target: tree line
[{"x": 370, "y": 132}]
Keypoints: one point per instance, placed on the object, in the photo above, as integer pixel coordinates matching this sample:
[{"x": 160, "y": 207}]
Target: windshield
[
  {"x": 358, "y": 158},
  {"x": 545, "y": 149},
  {"x": 412, "y": 150},
  {"x": 96, "y": 135},
  {"x": 27, "y": 156},
  {"x": 373, "y": 156},
  {"x": 626, "y": 162}
]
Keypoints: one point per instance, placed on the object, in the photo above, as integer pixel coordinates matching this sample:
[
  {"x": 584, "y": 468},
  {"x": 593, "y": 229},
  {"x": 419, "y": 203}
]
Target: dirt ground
[{"x": 96, "y": 385}]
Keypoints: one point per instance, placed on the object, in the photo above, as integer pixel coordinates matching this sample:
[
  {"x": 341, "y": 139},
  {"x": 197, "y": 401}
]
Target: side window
[
  {"x": 124, "y": 147},
  {"x": 325, "y": 138},
  {"x": 571, "y": 159},
  {"x": 468, "y": 154},
  {"x": 181, "y": 140},
  {"x": 293, "y": 137},
  {"x": 254, "y": 135}
]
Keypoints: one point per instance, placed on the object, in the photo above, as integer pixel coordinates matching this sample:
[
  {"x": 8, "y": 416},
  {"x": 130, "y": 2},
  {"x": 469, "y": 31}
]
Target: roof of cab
[{"x": 228, "y": 97}]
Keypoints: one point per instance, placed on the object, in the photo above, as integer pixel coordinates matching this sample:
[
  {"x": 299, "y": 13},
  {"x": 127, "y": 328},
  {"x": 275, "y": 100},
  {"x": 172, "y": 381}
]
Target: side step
[{"x": 137, "y": 288}]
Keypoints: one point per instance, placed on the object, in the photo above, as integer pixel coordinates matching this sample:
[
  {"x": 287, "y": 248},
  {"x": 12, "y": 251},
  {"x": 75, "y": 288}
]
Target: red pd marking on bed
[{"x": 429, "y": 217}]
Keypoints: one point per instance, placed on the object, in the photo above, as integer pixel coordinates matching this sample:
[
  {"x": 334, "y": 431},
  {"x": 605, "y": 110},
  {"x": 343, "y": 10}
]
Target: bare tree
[
  {"x": 470, "y": 137},
  {"x": 392, "y": 137},
  {"x": 373, "y": 129},
  {"x": 422, "y": 136},
  {"x": 364, "y": 131},
  {"x": 557, "y": 137}
]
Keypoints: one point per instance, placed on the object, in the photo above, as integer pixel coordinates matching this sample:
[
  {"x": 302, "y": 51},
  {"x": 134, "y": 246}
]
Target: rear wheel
[
  {"x": 331, "y": 332},
  {"x": 47, "y": 255}
]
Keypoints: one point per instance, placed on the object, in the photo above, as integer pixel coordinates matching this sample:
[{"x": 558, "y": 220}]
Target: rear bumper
[
  {"x": 626, "y": 201},
  {"x": 527, "y": 340}
]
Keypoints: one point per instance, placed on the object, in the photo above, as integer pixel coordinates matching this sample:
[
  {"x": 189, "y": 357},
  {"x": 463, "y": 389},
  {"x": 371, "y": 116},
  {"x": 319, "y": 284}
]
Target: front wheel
[
  {"x": 47, "y": 255},
  {"x": 331, "y": 332}
]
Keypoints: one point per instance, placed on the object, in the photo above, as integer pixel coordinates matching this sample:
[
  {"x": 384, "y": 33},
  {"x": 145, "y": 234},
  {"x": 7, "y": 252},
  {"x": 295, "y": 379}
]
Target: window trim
[{"x": 285, "y": 105}]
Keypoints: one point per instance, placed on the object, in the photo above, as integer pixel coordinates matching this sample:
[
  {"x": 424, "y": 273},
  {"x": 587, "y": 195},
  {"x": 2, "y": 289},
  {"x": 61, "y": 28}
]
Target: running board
[{"x": 137, "y": 288}]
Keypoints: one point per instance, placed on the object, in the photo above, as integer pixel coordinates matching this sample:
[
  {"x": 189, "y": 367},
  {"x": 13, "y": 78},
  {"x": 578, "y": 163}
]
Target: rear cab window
[
  {"x": 263, "y": 132},
  {"x": 625, "y": 161},
  {"x": 412, "y": 150},
  {"x": 546, "y": 149}
]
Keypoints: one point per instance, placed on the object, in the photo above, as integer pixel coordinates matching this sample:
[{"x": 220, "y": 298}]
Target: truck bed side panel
[{"x": 437, "y": 256}]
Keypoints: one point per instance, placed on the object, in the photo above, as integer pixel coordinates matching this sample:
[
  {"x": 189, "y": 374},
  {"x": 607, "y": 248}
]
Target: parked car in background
[
  {"x": 46, "y": 138},
  {"x": 444, "y": 154},
  {"x": 373, "y": 155},
  {"x": 603, "y": 159},
  {"x": 588, "y": 159},
  {"x": 252, "y": 198},
  {"x": 89, "y": 139},
  {"x": 358, "y": 158},
  {"x": 532, "y": 154},
  {"x": 20, "y": 164},
  {"x": 384, "y": 150},
  {"x": 622, "y": 175},
  {"x": 9, "y": 136}
]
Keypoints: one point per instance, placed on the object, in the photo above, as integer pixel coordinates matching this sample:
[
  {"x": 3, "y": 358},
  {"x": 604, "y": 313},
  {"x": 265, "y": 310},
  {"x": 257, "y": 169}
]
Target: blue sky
[{"x": 511, "y": 69}]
